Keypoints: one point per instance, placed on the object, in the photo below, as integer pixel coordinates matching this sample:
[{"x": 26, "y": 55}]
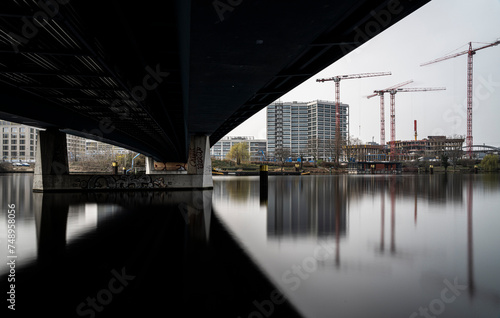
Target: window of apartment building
[
  {"x": 5, "y": 148},
  {"x": 13, "y": 136},
  {"x": 14, "y": 129},
  {"x": 22, "y": 148},
  {"x": 13, "y": 147},
  {"x": 13, "y": 141},
  {"x": 5, "y": 153},
  {"x": 6, "y": 130},
  {"x": 6, "y": 141},
  {"x": 31, "y": 154},
  {"x": 5, "y": 136},
  {"x": 22, "y": 153},
  {"x": 22, "y": 129},
  {"x": 13, "y": 154}
]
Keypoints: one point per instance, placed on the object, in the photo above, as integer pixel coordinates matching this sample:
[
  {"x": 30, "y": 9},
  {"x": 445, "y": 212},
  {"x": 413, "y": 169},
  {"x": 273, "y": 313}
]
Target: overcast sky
[{"x": 437, "y": 29}]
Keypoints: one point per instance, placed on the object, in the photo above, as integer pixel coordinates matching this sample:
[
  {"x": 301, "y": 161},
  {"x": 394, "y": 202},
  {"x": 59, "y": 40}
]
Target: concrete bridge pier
[
  {"x": 52, "y": 170},
  {"x": 196, "y": 173}
]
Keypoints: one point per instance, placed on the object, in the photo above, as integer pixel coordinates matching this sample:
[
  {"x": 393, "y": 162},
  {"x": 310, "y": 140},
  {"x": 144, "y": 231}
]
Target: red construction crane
[
  {"x": 470, "y": 53},
  {"x": 382, "y": 107},
  {"x": 337, "y": 80},
  {"x": 393, "y": 93}
]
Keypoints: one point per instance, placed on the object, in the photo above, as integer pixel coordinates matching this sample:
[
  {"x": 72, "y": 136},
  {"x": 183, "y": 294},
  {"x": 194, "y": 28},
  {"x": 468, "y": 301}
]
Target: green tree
[
  {"x": 444, "y": 161},
  {"x": 489, "y": 163},
  {"x": 239, "y": 152}
]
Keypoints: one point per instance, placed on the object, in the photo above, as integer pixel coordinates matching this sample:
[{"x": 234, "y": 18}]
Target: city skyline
[{"x": 421, "y": 37}]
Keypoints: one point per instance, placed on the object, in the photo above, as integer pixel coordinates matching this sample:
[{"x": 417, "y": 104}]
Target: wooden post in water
[{"x": 264, "y": 171}]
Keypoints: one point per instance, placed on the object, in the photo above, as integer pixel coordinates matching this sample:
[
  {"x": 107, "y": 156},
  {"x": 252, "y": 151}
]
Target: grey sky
[{"x": 439, "y": 28}]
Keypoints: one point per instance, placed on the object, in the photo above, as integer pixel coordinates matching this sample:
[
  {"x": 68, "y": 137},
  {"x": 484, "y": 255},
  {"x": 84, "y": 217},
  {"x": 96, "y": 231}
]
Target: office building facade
[
  {"x": 76, "y": 147},
  {"x": 94, "y": 147},
  {"x": 18, "y": 142},
  {"x": 298, "y": 127},
  {"x": 256, "y": 147},
  {"x": 287, "y": 128}
]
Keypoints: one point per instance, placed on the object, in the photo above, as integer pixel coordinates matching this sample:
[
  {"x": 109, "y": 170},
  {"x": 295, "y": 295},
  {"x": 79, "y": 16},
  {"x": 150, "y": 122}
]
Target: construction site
[{"x": 431, "y": 148}]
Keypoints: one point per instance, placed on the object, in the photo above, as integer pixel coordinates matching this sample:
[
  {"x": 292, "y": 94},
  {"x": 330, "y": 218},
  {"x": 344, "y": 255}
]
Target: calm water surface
[
  {"x": 373, "y": 246},
  {"x": 335, "y": 246}
]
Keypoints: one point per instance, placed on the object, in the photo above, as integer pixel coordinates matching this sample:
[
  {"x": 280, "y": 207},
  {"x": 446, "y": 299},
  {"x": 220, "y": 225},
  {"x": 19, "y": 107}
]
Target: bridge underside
[{"x": 148, "y": 75}]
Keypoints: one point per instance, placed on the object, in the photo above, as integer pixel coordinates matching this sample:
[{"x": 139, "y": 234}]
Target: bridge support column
[
  {"x": 195, "y": 174},
  {"x": 199, "y": 164},
  {"x": 150, "y": 165},
  {"x": 51, "y": 168}
]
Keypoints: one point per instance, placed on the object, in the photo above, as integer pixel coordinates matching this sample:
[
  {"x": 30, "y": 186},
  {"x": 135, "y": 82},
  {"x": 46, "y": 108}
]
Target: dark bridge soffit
[
  {"x": 78, "y": 71},
  {"x": 346, "y": 26}
]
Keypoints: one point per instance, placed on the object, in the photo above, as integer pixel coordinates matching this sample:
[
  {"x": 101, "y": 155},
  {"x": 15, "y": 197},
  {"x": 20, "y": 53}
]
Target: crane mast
[
  {"x": 382, "y": 107},
  {"x": 336, "y": 80},
  {"x": 470, "y": 53},
  {"x": 393, "y": 93}
]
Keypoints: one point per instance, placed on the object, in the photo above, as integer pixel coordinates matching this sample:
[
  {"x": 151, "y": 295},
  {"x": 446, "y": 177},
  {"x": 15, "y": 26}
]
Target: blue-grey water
[{"x": 334, "y": 246}]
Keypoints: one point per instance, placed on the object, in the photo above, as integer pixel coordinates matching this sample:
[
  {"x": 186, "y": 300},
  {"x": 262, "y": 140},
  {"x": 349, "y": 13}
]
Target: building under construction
[
  {"x": 430, "y": 147},
  {"x": 369, "y": 152}
]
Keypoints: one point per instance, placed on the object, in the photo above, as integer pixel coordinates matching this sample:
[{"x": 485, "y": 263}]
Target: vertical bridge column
[
  {"x": 199, "y": 166},
  {"x": 150, "y": 165},
  {"x": 51, "y": 167}
]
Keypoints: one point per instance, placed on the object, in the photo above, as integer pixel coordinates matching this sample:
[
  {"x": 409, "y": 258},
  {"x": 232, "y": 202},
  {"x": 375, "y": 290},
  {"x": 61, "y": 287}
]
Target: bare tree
[
  {"x": 455, "y": 152},
  {"x": 330, "y": 148},
  {"x": 352, "y": 141},
  {"x": 281, "y": 154},
  {"x": 313, "y": 148}
]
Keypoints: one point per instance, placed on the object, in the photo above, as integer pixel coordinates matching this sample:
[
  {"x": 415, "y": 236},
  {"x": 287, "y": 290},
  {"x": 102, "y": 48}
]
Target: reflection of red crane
[
  {"x": 337, "y": 80},
  {"x": 382, "y": 107},
  {"x": 393, "y": 109},
  {"x": 470, "y": 254},
  {"x": 470, "y": 53}
]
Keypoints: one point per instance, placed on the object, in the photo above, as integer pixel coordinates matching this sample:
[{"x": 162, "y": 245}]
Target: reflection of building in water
[
  {"x": 237, "y": 189},
  {"x": 86, "y": 217},
  {"x": 16, "y": 189},
  {"x": 306, "y": 207}
]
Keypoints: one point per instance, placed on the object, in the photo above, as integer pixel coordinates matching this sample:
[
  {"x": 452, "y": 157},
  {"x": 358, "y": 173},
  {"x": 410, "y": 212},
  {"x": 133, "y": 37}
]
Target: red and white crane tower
[
  {"x": 382, "y": 107},
  {"x": 393, "y": 93},
  {"x": 470, "y": 53},
  {"x": 337, "y": 80}
]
